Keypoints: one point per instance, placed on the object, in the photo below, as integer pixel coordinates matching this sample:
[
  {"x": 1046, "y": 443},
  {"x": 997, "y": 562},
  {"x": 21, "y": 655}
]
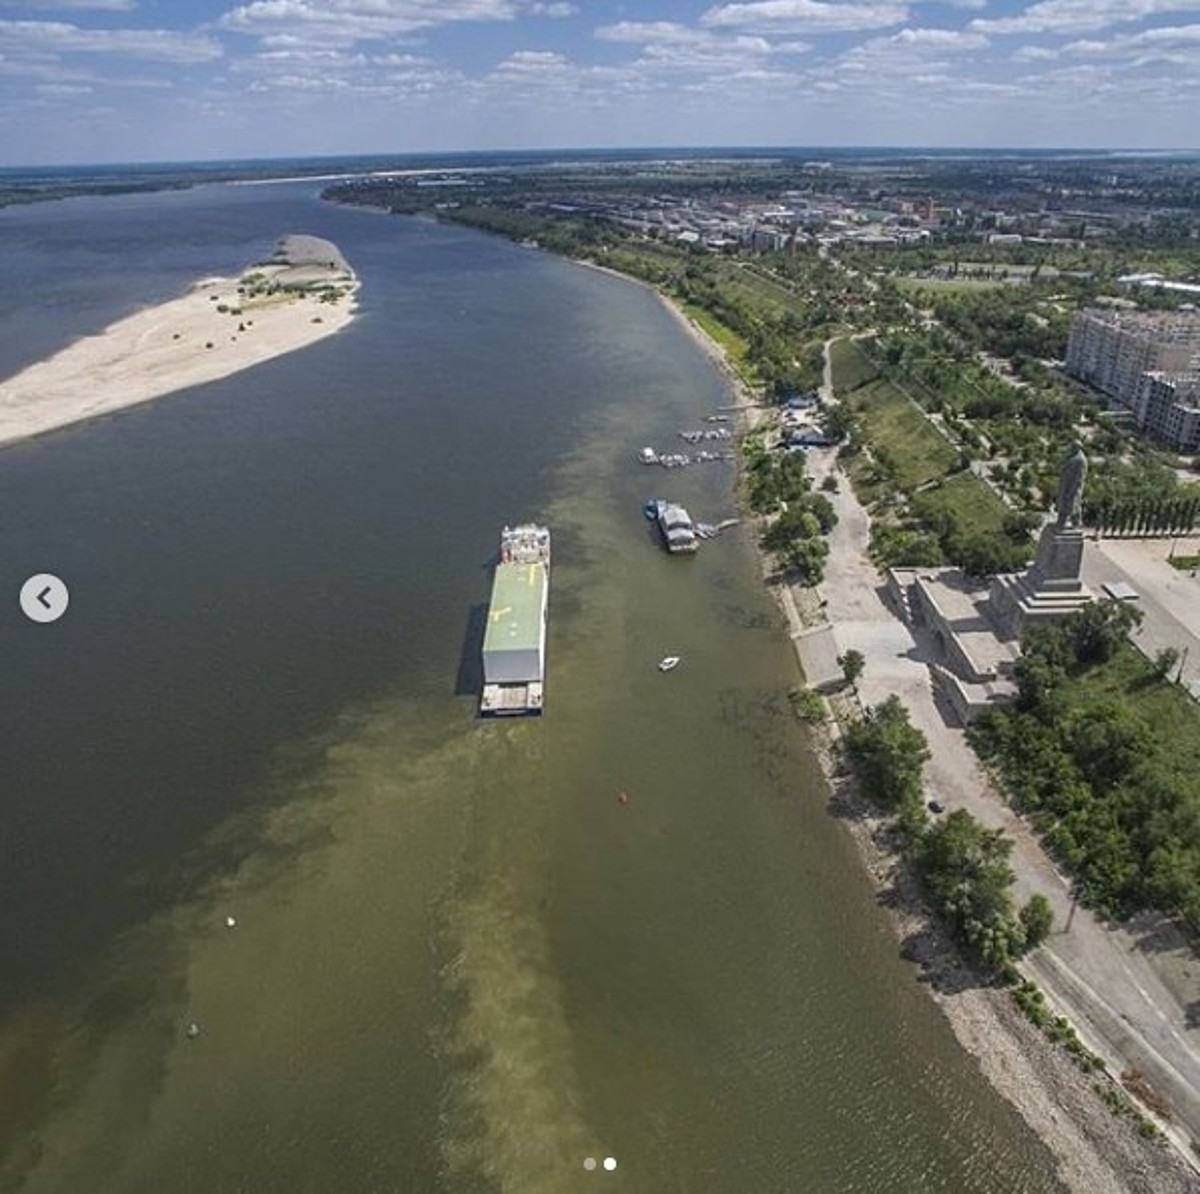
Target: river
[{"x": 459, "y": 962}]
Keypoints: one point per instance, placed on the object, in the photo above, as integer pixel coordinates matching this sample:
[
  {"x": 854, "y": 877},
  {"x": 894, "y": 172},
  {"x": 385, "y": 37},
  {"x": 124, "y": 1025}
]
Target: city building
[
  {"x": 1168, "y": 408},
  {"x": 1145, "y": 361}
]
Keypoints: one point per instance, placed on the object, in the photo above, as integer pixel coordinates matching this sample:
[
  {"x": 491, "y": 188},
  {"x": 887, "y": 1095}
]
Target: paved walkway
[{"x": 1130, "y": 993}]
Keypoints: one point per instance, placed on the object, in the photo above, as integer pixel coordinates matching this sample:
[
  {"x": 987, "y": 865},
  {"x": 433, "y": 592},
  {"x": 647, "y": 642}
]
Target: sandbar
[{"x": 302, "y": 293}]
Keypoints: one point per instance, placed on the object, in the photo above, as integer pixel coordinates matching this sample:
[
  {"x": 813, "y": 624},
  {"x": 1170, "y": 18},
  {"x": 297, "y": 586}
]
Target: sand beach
[{"x": 302, "y": 293}]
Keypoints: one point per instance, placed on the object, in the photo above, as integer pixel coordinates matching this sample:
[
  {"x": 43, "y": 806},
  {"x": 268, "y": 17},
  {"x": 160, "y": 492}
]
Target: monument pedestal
[{"x": 1049, "y": 590}]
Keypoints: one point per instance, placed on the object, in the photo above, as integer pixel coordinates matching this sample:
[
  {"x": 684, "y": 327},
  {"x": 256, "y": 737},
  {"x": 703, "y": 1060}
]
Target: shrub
[{"x": 808, "y": 705}]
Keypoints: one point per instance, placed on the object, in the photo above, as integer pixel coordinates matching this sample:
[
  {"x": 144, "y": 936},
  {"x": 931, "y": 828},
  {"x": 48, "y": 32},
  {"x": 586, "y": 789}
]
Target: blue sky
[{"x": 141, "y": 80}]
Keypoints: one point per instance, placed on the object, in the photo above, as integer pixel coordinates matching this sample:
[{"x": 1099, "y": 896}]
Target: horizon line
[{"x": 743, "y": 150}]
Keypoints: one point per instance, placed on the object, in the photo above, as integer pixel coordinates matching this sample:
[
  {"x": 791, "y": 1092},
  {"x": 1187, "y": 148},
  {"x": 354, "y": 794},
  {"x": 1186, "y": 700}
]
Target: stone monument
[
  {"x": 1070, "y": 488},
  {"x": 1051, "y": 588}
]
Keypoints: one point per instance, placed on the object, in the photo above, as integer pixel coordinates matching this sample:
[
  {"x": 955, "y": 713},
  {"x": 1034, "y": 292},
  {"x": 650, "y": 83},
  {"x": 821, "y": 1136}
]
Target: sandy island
[{"x": 304, "y": 292}]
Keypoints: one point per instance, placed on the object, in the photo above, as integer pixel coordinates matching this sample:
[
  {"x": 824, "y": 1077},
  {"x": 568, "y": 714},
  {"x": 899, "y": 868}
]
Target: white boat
[
  {"x": 675, "y": 522},
  {"x": 668, "y": 663}
]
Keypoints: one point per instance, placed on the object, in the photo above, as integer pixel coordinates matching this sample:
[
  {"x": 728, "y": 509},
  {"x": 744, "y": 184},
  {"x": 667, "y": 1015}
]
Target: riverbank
[
  {"x": 1098, "y": 1152},
  {"x": 303, "y": 293}
]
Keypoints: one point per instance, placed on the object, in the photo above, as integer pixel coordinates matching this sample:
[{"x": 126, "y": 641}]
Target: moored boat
[{"x": 678, "y": 531}]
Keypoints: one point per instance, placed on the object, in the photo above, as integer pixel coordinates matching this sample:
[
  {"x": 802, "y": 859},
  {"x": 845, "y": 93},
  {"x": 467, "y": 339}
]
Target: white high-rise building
[{"x": 1144, "y": 361}]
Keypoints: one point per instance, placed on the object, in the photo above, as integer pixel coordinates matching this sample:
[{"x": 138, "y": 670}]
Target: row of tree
[
  {"x": 1146, "y": 516},
  {"x": 964, "y": 867},
  {"x": 778, "y": 486}
]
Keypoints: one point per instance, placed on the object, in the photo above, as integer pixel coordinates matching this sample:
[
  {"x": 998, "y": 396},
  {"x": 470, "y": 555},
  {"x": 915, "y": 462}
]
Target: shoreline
[
  {"x": 219, "y": 327},
  {"x": 1096, "y": 1152}
]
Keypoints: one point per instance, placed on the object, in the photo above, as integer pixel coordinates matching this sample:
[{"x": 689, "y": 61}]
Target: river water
[{"x": 460, "y": 963}]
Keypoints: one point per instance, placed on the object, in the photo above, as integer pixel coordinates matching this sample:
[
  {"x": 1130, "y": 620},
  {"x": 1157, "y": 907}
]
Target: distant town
[{"x": 1118, "y": 235}]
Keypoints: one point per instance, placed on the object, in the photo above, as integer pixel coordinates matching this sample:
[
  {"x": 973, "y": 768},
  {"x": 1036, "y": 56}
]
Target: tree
[
  {"x": 1037, "y": 917},
  {"x": 806, "y": 558},
  {"x": 852, "y": 664},
  {"x": 889, "y": 752},
  {"x": 1164, "y": 661},
  {"x": 838, "y": 421},
  {"x": 966, "y": 872},
  {"x": 1097, "y": 630}
]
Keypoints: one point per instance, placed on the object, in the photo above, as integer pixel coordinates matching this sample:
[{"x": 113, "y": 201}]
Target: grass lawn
[
  {"x": 851, "y": 368},
  {"x": 945, "y": 285},
  {"x": 760, "y": 294},
  {"x": 897, "y": 431},
  {"x": 966, "y": 497}
]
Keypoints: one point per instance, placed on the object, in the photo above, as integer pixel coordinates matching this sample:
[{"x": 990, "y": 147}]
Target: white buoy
[{"x": 230, "y": 922}]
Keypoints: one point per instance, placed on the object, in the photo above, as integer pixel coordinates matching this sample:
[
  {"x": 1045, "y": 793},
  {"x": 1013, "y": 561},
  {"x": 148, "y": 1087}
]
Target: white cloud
[
  {"x": 648, "y": 32},
  {"x": 62, "y": 90},
  {"x": 54, "y": 37},
  {"x": 346, "y": 21},
  {"x": 1080, "y": 16},
  {"x": 1173, "y": 45},
  {"x": 667, "y": 45},
  {"x": 1035, "y": 54},
  {"x": 909, "y": 50},
  {"x": 525, "y": 62},
  {"x": 940, "y": 39},
  {"x": 806, "y": 16}
]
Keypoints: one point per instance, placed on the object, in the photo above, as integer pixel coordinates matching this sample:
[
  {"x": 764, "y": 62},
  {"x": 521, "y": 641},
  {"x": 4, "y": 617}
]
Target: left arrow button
[{"x": 44, "y": 598}]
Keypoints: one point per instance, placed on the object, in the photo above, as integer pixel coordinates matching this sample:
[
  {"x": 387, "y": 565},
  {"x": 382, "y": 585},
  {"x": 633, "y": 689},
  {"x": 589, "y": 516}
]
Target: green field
[
  {"x": 965, "y": 498},
  {"x": 946, "y": 285},
  {"x": 900, "y": 436},
  {"x": 851, "y": 368}
]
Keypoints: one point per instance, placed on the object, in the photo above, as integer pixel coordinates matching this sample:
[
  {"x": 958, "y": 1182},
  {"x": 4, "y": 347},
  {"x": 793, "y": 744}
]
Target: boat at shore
[
  {"x": 678, "y": 530},
  {"x": 514, "y": 643}
]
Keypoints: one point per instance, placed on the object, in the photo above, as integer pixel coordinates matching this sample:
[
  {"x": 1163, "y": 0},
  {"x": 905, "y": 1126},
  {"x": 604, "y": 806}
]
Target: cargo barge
[{"x": 514, "y": 644}]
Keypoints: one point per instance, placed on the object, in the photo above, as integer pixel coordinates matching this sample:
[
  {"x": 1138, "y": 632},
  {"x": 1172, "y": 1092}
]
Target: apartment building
[
  {"x": 1145, "y": 361},
  {"x": 1168, "y": 408}
]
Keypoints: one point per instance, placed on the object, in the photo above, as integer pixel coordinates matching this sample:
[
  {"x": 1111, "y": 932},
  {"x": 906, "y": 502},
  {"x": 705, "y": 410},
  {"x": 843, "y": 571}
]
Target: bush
[
  {"x": 1037, "y": 917},
  {"x": 808, "y": 705}
]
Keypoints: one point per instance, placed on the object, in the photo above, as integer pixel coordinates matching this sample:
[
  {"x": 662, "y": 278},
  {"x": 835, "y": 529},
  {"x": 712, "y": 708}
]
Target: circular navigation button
[{"x": 44, "y": 598}]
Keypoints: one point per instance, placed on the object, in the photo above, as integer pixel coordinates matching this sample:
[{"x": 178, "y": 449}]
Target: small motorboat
[
  {"x": 650, "y": 508},
  {"x": 668, "y": 663}
]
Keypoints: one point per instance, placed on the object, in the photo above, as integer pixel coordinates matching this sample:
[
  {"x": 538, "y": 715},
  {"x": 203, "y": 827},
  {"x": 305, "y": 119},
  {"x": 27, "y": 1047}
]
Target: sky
[{"x": 85, "y": 81}]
